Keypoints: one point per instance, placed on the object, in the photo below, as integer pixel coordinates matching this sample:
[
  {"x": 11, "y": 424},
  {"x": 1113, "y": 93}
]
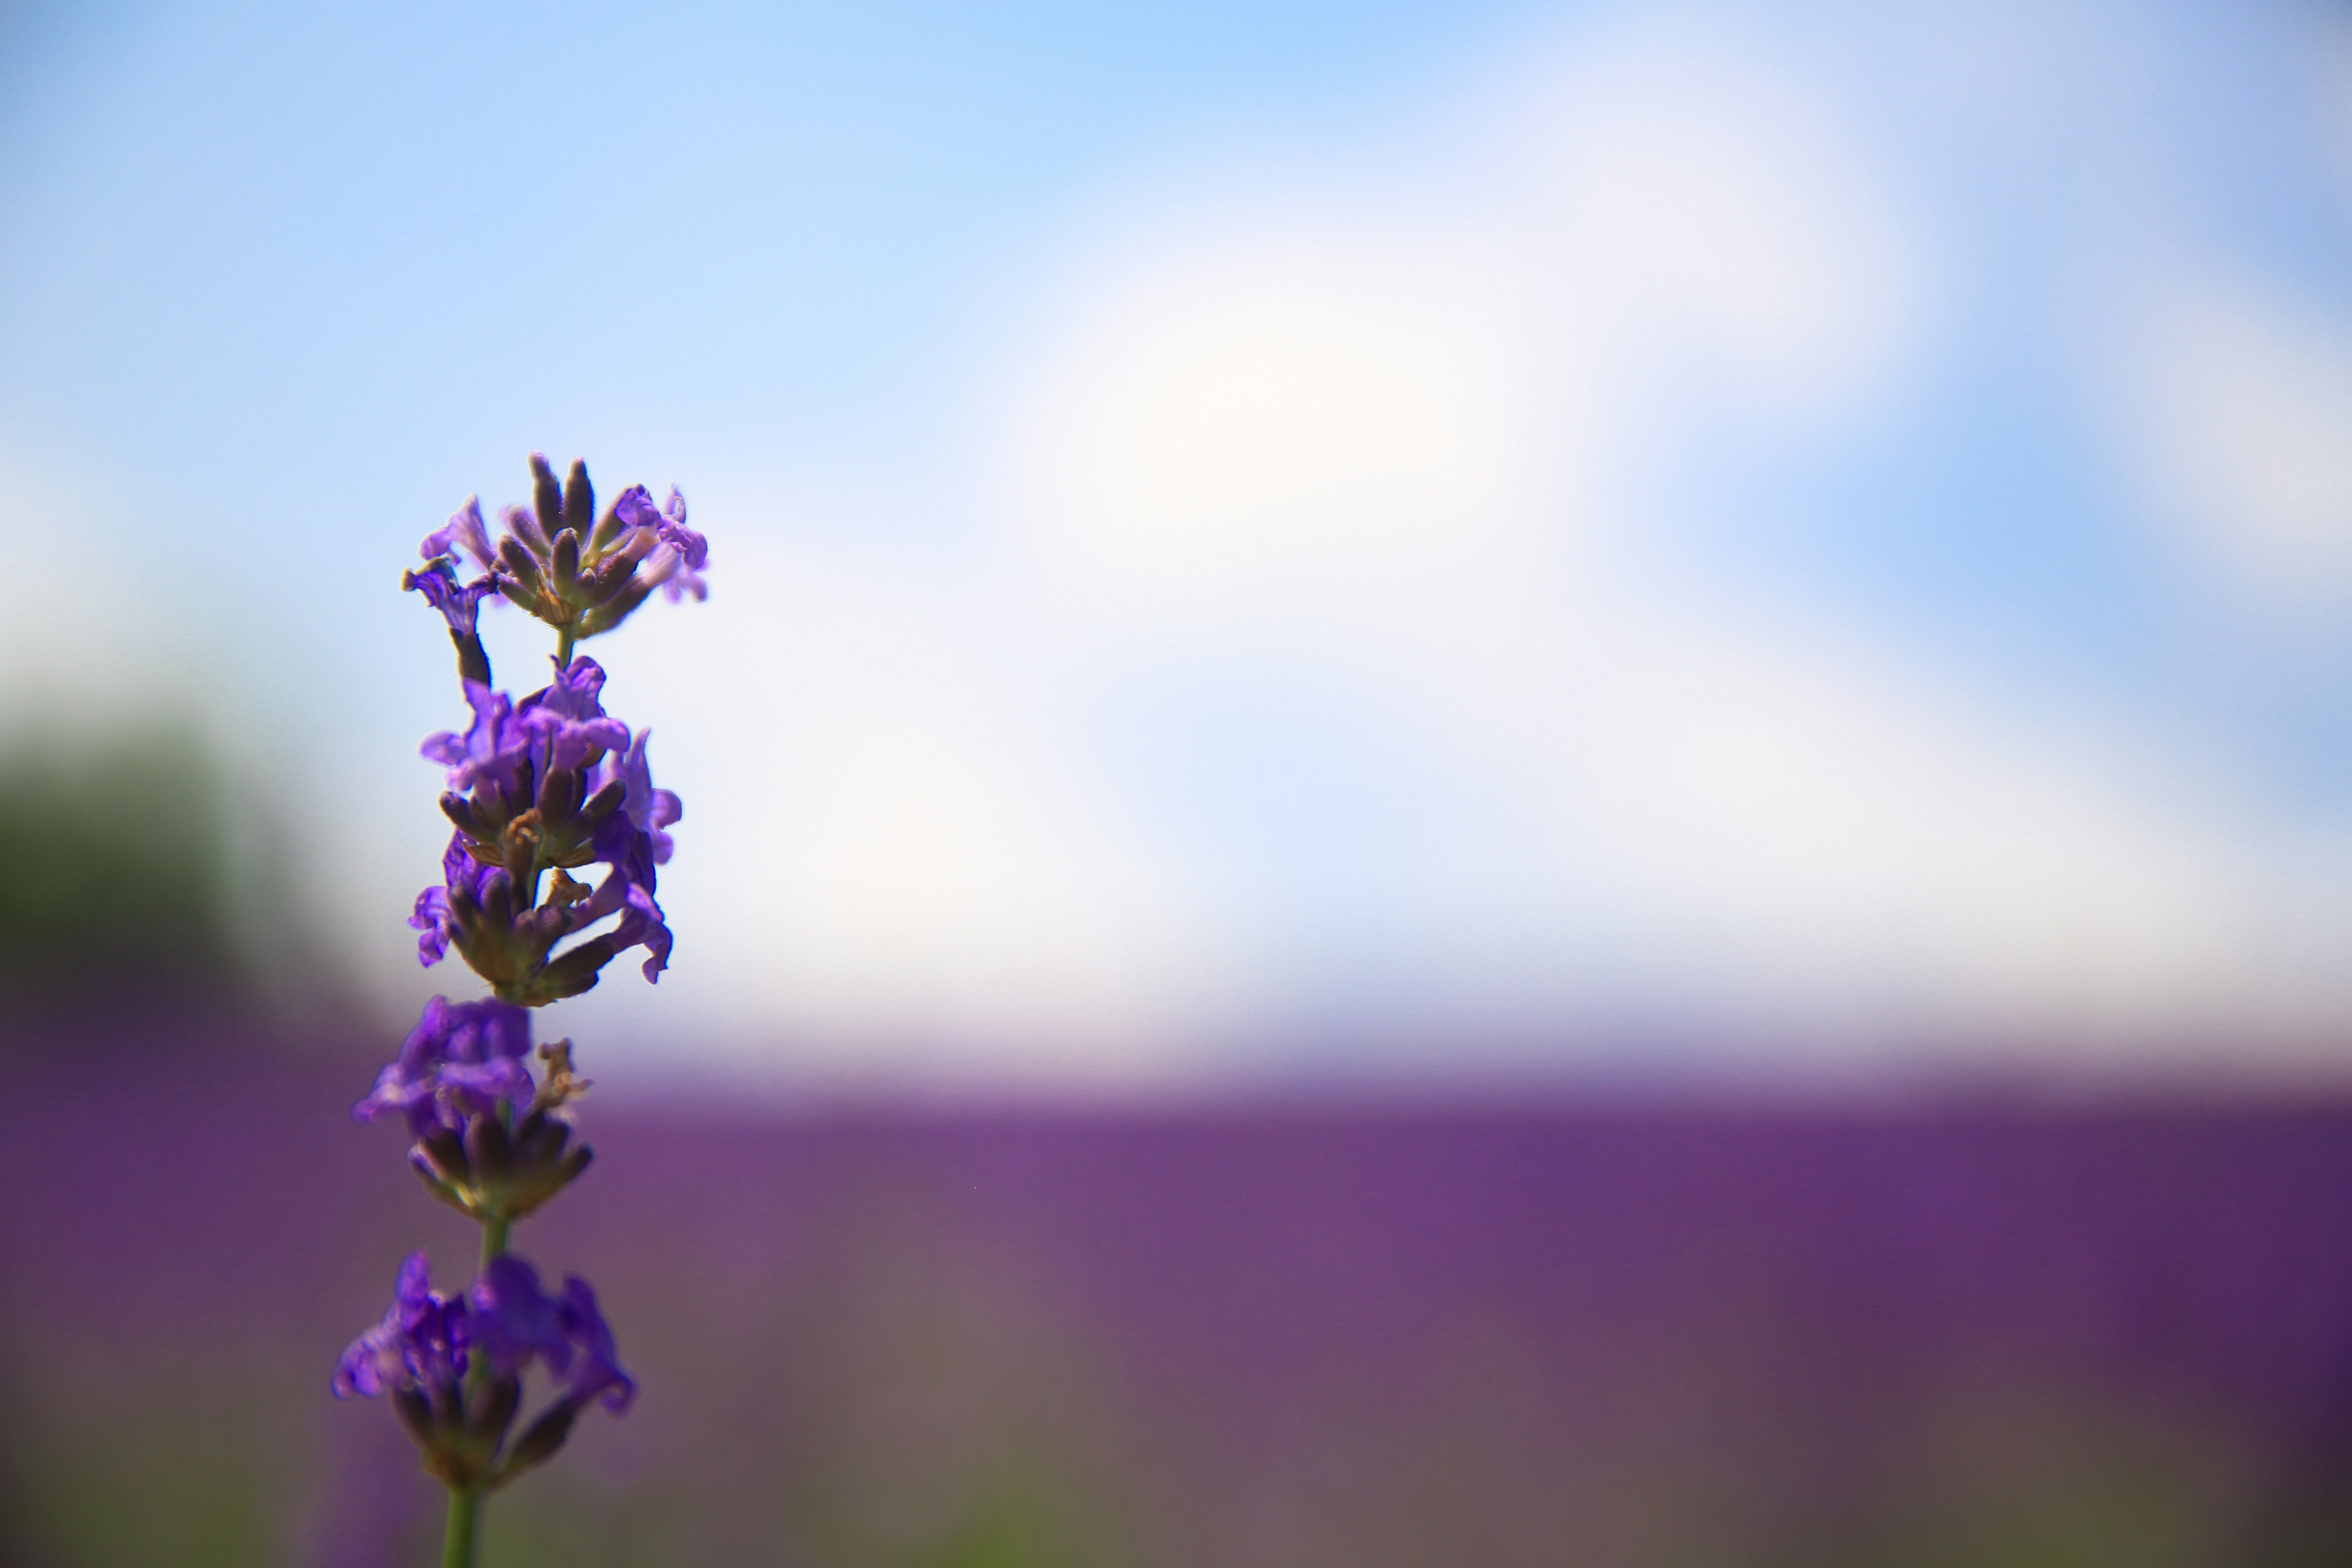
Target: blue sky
[{"x": 1490, "y": 533}]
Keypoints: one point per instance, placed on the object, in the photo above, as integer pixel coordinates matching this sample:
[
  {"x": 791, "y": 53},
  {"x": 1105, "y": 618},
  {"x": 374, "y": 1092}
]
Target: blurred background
[{"x": 1498, "y": 783}]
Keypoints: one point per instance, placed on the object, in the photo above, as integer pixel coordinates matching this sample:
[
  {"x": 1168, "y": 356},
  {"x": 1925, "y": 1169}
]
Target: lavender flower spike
[{"x": 536, "y": 790}]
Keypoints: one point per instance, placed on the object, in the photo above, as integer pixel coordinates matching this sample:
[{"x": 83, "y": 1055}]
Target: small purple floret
[
  {"x": 495, "y": 749},
  {"x": 430, "y": 920},
  {"x": 464, "y": 529},
  {"x": 650, "y": 809},
  {"x": 431, "y": 917},
  {"x": 516, "y": 1319},
  {"x": 690, "y": 550},
  {"x": 668, "y": 554},
  {"x": 627, "y": 890},
  {"x": 600, "y": 1367},
  {"x": 460, "y": 1060},
  {"x": 427, "y": 1338},
  {"x": 421, "y": 1342},
  {"x": 568, "y": 720},
  {"x": 459, "y": 603}
]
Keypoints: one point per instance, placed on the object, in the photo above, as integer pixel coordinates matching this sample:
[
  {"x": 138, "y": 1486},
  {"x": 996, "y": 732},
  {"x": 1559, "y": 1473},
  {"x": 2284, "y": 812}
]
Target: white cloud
[
  {"x": 1673, "y": 202},
  {"x": 886, "y": 840},
  {"x": 1397, "y": 434},
  {"x": 1801, "y": 825},
  {"x": 1284, "y": 403},
  {"x": 1409, "y": 453},
  {"x": 2242, "y": 405}
]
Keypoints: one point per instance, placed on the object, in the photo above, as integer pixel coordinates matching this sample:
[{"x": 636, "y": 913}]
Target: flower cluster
[
  {"x": 429, "y": 1346},
  {"x": 580, "y": 573},
  {"x": 462, "y": 1062},
  {"x": 537, "y": 789}
]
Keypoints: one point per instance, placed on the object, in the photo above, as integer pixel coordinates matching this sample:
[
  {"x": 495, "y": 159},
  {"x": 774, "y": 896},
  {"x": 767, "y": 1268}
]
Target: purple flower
[
  {"x": 633, "y": 843},
  {"x": 495, "y": 750},
  {"x": 420, "y": 1354},
  {"x": 677, "y": 565},
  {"x": 515, "y": 1320},
  {"x": 521, "y": 752},
  {"x": 650, "y": 809},
  {"x": 643, "y": 924},
  {"x": 627, "y": 890},
  {"x": 581, "y": 575},
  {"x": 426, "y": 1339},
  {"x": 512, "y": 745},
  {"x": 431, "y": 917},
  {"x": 460, "y": 1060},
  {"x": 464, "y": 528},
  {"x": 568, "y": 719},
  {"x": 600, "y": 1367},
  {"x": 665, "y": 551},
  {"x": 459, "y": 603},
  {"x": 633, "y": 509},
  {"x": 420, "y": 1344}
]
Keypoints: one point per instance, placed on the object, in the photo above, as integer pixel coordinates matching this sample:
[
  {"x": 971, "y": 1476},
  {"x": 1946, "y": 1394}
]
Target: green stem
[
  {"x": 494, "y": 1237},
  {"x": 458, "y": 1544},
  {"x": 465, "y": 1502},
  {"x": 563, "y": 640}
]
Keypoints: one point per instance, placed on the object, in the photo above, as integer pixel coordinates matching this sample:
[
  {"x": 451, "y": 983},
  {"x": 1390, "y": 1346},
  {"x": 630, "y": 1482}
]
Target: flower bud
[
  {"x": 547, "y": 500},
  {"x": 617, "y": 609},
  {"x": 605, "y": 801},
  {"x": 494, "y": 1411},
  {"x": 575, "y": 971},
  {"x": 579, "y": 501},
  {"x": 559, "y": 795},
  {"x": 538, "y": 1445},
  {"x": 460, "y": 812},
  {"x": 563, "y": 567},
  {"x": 416, "y": 1414},
  {"x": 522, "y": 568},
  {"x": 447, "y": 1191},
  {"x": 498, "y": 901},
  {"x": 488, "y": 1151}
]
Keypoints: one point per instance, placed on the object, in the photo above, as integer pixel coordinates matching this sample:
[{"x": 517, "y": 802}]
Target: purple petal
[
  {"x": 459, "y": 603},
  {"x": 517, "y": 1320},
  {"x": 635, "y": 507},
  {"x": 430, "y": 919},
  {"x": 499, "y": 1079},
  {"x": 599, "y": 1366}
]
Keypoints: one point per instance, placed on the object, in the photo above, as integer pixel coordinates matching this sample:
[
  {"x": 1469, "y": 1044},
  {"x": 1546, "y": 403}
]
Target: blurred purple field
[{"x": 1346, "y": 1335}]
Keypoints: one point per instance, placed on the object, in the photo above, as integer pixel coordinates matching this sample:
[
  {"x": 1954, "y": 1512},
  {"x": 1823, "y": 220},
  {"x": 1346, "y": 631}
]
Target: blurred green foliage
[
  {"x": 141, "y": 876},
  {"x": 210, "y": 1479},
  {"x": 116, "y": 868}
]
